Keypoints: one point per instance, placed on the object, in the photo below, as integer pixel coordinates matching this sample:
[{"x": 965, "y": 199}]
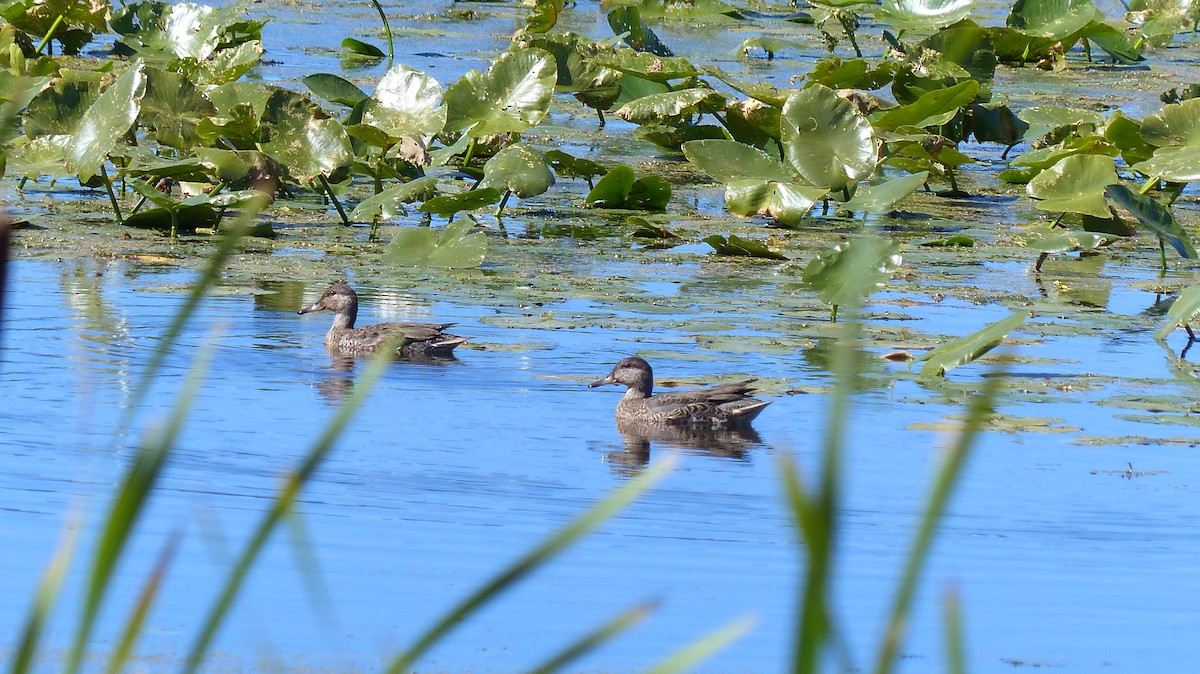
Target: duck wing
[
  {"x": 371, "y": 337},
  {"x": 731, "y": 399}
]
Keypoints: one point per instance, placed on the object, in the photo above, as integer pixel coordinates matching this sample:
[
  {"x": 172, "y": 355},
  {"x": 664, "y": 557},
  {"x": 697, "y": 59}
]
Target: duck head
[{"x": 633, "y": 372}]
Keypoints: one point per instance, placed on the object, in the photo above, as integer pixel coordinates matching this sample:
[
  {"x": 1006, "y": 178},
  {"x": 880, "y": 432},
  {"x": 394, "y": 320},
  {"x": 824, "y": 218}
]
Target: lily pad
[
  {"x": 969, "y": 348},
  {"x": 390, "y": 202},
  {"x": 671, "y": 107},
  {"x": 518, "y": 169},
  {"x": 455, "y": 247},
  {"x": 620, "y": 188},
  {"x": 334, "y": 89},
  {"x": 106, "y": 122},
  {"x": 364, "y": 49},
  {"x": 1052, "y": 19},
  {"x": 736, "y": 245},
  {"x": 728, "y": 160},
  {"x": 406, "y": 102},
  {"x": 301, "y": 138},
  {"x": 574, "y": 167},
  {"x": 787, "y": 202},
  {"x": 825, "y": 138},
  {"x": 1075, "y": 185},
  {"x": 448, "y": 205},
  {"x": 513, "y": 95},
  {"x": 881, "y": 198},
  {"x": 924, "y": 16}
]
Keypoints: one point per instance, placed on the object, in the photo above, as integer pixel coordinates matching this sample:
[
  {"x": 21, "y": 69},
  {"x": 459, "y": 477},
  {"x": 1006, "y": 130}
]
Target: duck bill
[
  {"x": 310, "y": 309},
  {"x": 602, "y": 382}
]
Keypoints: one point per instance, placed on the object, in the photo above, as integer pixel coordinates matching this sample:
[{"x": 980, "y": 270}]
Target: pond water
[
  {"x": 450, "y": 471},
  {"x": 1071, "y": 538}
]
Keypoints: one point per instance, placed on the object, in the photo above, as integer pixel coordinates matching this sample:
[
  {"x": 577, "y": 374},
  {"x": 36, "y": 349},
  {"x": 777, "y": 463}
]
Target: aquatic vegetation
[{"x": 963, "y": 350}]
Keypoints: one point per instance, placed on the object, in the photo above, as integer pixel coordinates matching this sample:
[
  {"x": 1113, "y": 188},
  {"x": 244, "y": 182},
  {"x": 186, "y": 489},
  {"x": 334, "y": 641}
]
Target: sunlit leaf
[
  {"x": 334, "y": 89},
  {"x": 301, "y": 138},
  {"x": 933, "y": 108},
  {"x": 1054, "y": 240},
  {"x": 879, "y": 199},
  {"x": 455, "y": 247},
  {"x": 1075, "y": 185},
  {"x": 513, "y": 95},
  {"x": 628, "y": 21},
  {"x": 106, "y": 122},
  {"x": 448, "y": 205},
  {"x": 612, "y": 190},
  {"x": 966, "y": 349},
  {"x": 672, "y": 106},
  {"x": 359, "y": 48},
  {"x": 924, "y": 16},
  {"x": 518, "y": 169},
  {"x": 787, "y": 202},
  {"x": 825, "y": 138},
  {"x": 736, "y": 245},
  {"x": 728, "y": 160},
  {"x": 406, "y": 102},
  {"x": 574, "y": 167},
  {"x": 1053, "y": 19},
  {"x": 390, "y": 202}
]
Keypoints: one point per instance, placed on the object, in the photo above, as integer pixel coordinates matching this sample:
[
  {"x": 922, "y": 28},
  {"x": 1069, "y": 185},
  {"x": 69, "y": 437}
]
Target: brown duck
[
  {"x": 419, "y": 340},
  {"x": 724, "y": 406}
]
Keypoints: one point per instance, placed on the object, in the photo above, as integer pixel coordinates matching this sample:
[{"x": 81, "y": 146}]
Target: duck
[
  {"x": 419, "y": 340},
  {"x": 721, "y": 407}
]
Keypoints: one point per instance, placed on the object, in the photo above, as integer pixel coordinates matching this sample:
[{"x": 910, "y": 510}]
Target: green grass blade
[
  {"x": 956, "y": 662},
  {"x": 282, "y": 505},
  {"x": 595, "y": 638},
  {"x": 133, "y": 628},
  {"x": 978, "y": 411},
  {"x": 44, "y": 598},
  {"x": 702, "y": 649},
  {"x": 127, "y": 506},
  {"x": 568, "y": 534}
]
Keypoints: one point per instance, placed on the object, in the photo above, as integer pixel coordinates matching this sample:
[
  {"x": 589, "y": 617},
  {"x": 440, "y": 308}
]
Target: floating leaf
[
  {"x": 455, "y": 247},
  {"x": 1053, "y": 240},
  {"x": 389, "y": 203},
  {"x": 956, "y": 241},
  {"x": 1075, "y": 185},
  {"x": 850, "y": 272},
  {"x": 172, "y": 108},
  {"x": 628, "y": 21},
  {"x": 1051, "y": 19},
  {"x": 671, "y": 107},
  {"x": 619, "y": 188},
  {"x": 448, "y": 205},
  {"x": 301, "y": 138},
  {"x": 924, "y": 16},
  {"x": 1182, "y": 312},
  {"x": 787, "y": 202},
  {"x": 933, "y": 108},
  {"x": 768, "y": 44},
  {"x": 879, "y": 199},
  {"x": 736, "y": 245},
  {"x": 966, "y": 349},
  {"x": 648, "y": 66},
  {"x": 519, "y": 170},
  {"x": 825, "y": 138},
  {"x": 360, "y": 48},
  {"x": 728, "y": 160},
  {"x": 1155, "y": 216},
  {"x": 574, "y": 167},
  {"x": 334, "y": 89},
  {"x": 513, "y": 95},
  {"x": 406, "y": 102},
  {"x": 105, "y": 122}
]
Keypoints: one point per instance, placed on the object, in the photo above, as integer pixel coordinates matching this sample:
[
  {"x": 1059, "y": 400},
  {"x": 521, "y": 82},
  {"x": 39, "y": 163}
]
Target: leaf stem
[
  {"x": 49, "y": 34},
  {"x": 336, "y": 204},
  {"x": 387, "y": 29},
  {"x": 111, "y": 195}
]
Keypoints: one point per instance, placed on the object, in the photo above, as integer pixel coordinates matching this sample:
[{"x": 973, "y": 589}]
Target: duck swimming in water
[
  {"x": 419, "y": 340},
  {"x": 724, "y": 406}
]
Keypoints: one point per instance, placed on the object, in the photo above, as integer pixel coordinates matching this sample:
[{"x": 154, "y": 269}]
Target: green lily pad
[
  {"x": 518, "y": 169},
  {"x": 933, "y": 108},
  {"x": 161, "y": 32},
  {"x": 729, "y": 160},
  {"x": 628, "y": 21},
  {"x": 1044, "y": 119},
  {"x": 1052, "y": 19},
  {"x": 301, "y": 138},
  {"x": 620, "y": 188},
  {"x": 787, "y": 202},
  {"x": 825, "y": 138},
  {"x": 1054, "y": 240},
  {"x": 849, "y": 272},
  {"x": 738, "y": 246},
  {"x": 571, "y": 166},
  {"x": 1154, "y": 216},
  {"x": 671, "y": 107},
  {"x": 105, "y": 122},
  {"x": 364, "y": 49},
  {"x": 334, "y": 89},
  {"x": 448, "y": 205},
  {"x": 172, "y": 108},
  {"x": 1075, "y": 185},
  {"x": 923, "y": 16},
  {"x": 768, "y": 44},
  {"x": 1182, "y": 312},
  {"x": 1176, "y": 163},
  {"x": 455, "y": 247},
  {"x": 406, "y": 102},
  {"x": 660, "y": 69},
  {"x": 969, "y": 348},
  {"x": 389, "y": 203},
  {"x": 513, "y": 95},
  {"x": 881, "y": 198},
  {"x": 57, "y": 109}
]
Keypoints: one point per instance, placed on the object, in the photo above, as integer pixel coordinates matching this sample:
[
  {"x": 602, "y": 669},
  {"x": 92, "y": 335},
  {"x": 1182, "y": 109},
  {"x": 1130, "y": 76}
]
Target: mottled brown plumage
[
  {"x": 717, "y": 407},
  {"x": 418, "y": 339}
]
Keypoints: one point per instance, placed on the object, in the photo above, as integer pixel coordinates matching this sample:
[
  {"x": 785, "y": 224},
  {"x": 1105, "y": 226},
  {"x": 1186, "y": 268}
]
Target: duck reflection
[
  {"x": 637, "y": 438},
  {"x": 339, "y": 379}
]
